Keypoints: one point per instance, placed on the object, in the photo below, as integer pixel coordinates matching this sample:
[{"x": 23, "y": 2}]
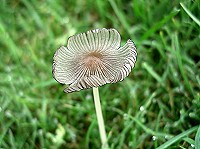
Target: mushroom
[{"x": 93, "y": 59}]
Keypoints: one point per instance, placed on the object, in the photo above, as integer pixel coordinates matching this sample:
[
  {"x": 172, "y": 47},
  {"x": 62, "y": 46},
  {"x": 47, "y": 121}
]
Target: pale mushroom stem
[{"x": 100, "y": 120}]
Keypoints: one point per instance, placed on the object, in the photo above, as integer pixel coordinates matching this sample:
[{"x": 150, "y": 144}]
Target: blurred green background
[{"x": 158, "y": 104}]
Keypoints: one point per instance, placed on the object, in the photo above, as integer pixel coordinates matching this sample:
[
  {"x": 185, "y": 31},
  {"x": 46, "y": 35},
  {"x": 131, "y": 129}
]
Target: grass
[{"x": 157, "y": 106}]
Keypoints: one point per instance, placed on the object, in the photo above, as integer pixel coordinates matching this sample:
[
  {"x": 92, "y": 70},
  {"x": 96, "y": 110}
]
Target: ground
[{"x": 157, "y": 105}]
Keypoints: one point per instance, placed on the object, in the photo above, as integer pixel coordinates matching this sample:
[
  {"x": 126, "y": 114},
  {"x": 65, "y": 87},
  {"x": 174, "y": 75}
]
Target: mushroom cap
[{"x": 93, "y": 59}]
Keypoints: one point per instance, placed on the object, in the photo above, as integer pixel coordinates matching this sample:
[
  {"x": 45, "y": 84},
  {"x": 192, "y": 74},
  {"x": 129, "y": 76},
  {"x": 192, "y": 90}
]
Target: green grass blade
[
  {"x": 197, "y": 139},
  {"x": 9, "y": 42},
  {"x": 148, "y": 130},
  {"x": 159, "y": 25},
  {"x": 120, "y": 15},
  {"x": 180, "y": 63},
  {"x": 5, "y": 131},
  {"x": 34, "y": 14},
  {"x": 89, "y": 132},
  {"x": 189, "y": 140},
  {"x": 123, "y": 134},
  {"x": 151, "y": 71},
  {"x": 45, "y": 83},
  {"x": 195, "y": 19},
  {"x": 140, "y": 124},
  {"x": 177, "y": 138}
]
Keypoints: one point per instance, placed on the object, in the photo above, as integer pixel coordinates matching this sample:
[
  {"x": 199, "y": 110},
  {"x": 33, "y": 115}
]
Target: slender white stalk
[{"x": 100, "y": 120}]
